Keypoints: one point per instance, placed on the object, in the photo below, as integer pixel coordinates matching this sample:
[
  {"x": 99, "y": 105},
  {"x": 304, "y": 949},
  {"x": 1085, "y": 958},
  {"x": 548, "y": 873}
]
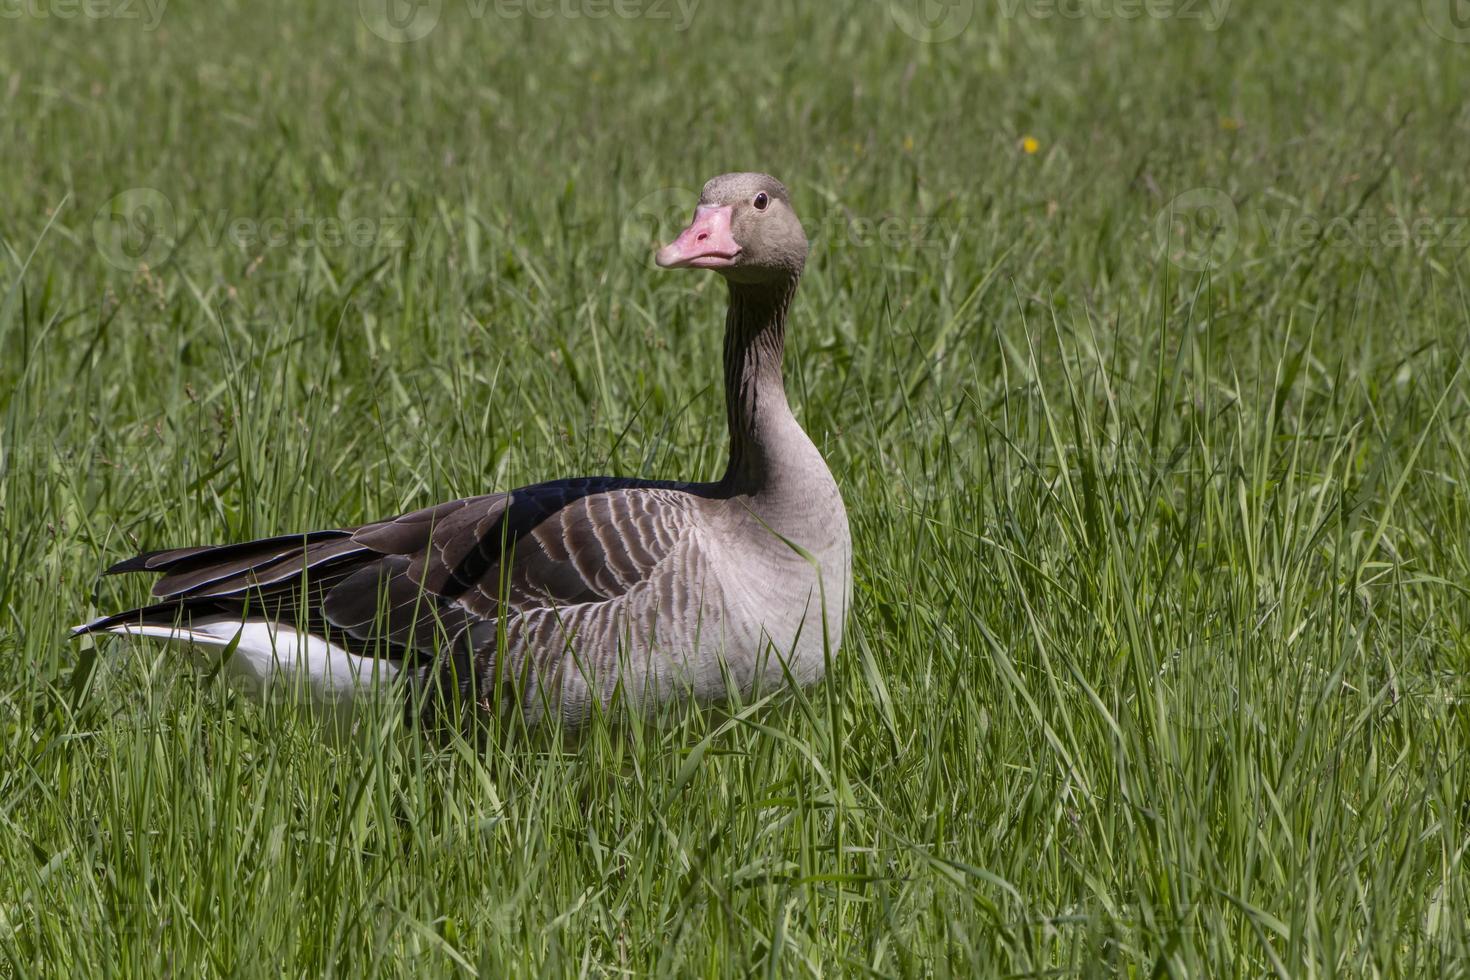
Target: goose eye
[{"x": 761, "y": 200}]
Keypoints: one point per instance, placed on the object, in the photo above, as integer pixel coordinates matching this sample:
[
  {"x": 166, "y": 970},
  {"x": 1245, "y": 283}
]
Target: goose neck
[{"x": 760, "y": 418}]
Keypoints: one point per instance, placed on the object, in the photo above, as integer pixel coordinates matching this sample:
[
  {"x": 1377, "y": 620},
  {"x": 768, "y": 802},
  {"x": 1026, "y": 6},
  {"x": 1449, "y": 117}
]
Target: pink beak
[{"x": 705, "y": 244}]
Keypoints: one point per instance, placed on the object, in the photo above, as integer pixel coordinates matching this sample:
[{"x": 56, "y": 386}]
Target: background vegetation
[{"x": 1135, "y": 336}]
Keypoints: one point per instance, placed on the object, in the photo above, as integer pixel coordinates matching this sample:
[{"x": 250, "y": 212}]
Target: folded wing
[{"x": 435, "y": 580}]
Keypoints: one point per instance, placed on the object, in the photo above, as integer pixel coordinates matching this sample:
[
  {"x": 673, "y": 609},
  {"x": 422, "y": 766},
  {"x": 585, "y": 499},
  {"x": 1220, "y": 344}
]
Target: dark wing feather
[
  {"x": 407, "y": 586},
  {"x": 179, "y": 560},
  {"x": 282, "y": 571}
]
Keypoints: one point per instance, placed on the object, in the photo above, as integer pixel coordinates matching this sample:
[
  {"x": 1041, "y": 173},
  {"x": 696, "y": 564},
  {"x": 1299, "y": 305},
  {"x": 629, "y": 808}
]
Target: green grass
[{"x": 1158, "y": 662}]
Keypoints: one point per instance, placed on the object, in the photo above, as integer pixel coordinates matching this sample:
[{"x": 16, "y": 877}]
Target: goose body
[{"x": 558, "y": 597}]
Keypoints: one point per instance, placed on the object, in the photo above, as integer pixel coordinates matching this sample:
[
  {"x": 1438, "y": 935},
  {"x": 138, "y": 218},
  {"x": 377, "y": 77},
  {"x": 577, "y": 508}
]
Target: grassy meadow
[{"x": 1136, "y": 337}]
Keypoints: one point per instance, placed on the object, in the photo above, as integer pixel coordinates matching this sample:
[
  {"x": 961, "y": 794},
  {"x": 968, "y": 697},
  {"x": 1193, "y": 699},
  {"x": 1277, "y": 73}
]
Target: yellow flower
[
  {"x": 1029, "y": 145},
  {"x": 1230, "y": 124},
  {"x": 908, "y": 144}
]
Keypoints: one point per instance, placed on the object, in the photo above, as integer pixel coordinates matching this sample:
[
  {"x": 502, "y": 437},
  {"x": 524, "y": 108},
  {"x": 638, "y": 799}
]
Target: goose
[{"x": 557, "y": 598}]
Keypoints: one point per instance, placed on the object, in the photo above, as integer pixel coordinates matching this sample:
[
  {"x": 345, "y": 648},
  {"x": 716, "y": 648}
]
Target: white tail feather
[{"x": 271, "y": 660}]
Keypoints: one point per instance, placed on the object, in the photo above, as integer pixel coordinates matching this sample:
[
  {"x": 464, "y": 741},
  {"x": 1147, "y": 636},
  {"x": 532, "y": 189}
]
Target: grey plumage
[{"x": 559, "y": 594}]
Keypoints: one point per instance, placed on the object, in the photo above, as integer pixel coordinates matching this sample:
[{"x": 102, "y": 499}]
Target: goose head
[{"x": 745, "y": 229}]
